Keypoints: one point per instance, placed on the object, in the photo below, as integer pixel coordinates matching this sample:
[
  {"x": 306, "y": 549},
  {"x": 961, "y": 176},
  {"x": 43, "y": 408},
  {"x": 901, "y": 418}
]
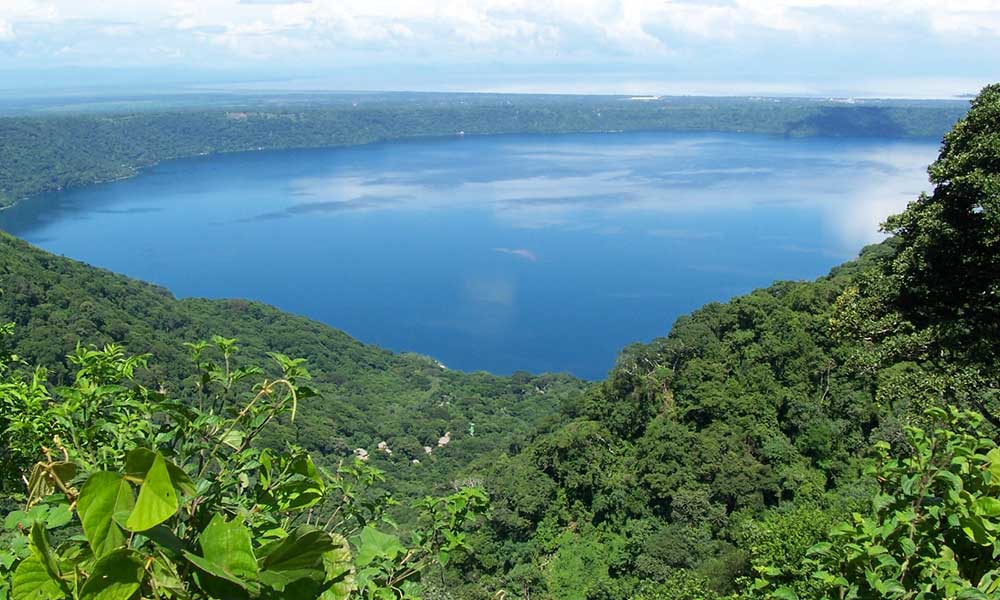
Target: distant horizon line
[
  {"x": 242, "y": 89},
  {"x": 50, "y": 81}
]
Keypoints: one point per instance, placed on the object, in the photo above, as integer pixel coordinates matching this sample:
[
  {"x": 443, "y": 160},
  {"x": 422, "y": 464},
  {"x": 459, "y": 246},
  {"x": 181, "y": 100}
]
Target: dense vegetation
[
  {"x": 132, "y": 493},
  {"x": 827, "y": 439},
  {"x": 44, "y": 153},
  {"x": 367, "y": 395}
]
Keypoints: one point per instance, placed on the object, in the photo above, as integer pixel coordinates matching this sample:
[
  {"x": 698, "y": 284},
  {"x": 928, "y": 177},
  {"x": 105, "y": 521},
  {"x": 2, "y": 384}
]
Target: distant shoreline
[
  {"x": 43, "y": 154},
  {"x": 458, "y": 135}
]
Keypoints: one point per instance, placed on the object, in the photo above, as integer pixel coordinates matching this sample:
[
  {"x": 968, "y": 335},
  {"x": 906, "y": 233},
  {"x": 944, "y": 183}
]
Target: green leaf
[
  {"x": 139, "y": 462},
  {"x": 302, "y": 589},
  {"x": 372, "y": 544},
  {"x": 58, "y": 515},
  {"x": 228, "y": 545},
  {"x": 954, "y": 481},
  {"x": 102, "y": 496},
  {"x": 988, "y": 506},
  {"x": 300, "y": 485},
  {"x": 228, "y": 559},
  {"x": 117, "y": 576},
  {"x": 165, "y": 538},
  {"x": 233, "y": 438},
  {"x": 15, "y": 519},
  {"x": 31, "y": 581},
  {"x": 994, "y": 457},
  {"x": 164, "y": 577},
  {"x": 974, "y": 530},
  {"x": 299, "y": 556},
  {"x": 785, "y": 594},
  {"x": 217, "y": 571},
  {"x": 873, "y": 579},
  {"x": 43, "y": 551},
  {"x": 74, "y": 551},
  {"x": 157, "y": 498},
  {"x": 909, "y": 548},
  {"x": 819, "y": 549}
]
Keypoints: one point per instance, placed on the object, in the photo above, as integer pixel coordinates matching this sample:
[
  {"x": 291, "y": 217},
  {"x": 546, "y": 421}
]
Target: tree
[
  {"x": 947, "y": 265},
  {"x": 937, "y": 297}
]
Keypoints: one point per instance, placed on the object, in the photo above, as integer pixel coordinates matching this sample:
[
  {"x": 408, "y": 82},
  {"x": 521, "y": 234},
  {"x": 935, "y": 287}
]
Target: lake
[{"x": 533, "y": 252}]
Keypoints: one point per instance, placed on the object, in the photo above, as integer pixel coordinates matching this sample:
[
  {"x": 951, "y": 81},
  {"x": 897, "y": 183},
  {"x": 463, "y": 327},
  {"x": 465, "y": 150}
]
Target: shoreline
[{"x": 137, "y": 170}]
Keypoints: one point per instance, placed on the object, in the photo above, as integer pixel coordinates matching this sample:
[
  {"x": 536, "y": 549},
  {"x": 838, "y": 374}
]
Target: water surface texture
[{"x": 539, "y": 253}]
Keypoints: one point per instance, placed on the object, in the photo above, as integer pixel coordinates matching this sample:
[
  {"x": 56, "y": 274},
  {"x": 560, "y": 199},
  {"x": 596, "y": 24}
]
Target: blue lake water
[{"x": 538, "y": 253}]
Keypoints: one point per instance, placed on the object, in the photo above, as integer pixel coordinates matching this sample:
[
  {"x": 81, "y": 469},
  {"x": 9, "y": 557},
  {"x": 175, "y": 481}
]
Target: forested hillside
[
  {"x": 699, "y": 454},
  {"x": 368, "y": 395},
  {"x": 826, "y": 439},
  {"x": 44, "y": 153}
]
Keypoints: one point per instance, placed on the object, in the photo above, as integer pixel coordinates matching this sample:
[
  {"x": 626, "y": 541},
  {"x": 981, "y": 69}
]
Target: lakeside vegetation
[
  {"x": 43, "y": 153},
  {"x": 826, "y": 439}
]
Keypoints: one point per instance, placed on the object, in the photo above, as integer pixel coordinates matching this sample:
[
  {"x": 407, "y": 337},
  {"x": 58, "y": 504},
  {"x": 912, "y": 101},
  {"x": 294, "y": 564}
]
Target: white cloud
[
  {"x": 638, "y": 26},
  {"x": 335, "y": 33},
  {"x": 13, "y": 12},
  {"x": 607, "y": 15}
]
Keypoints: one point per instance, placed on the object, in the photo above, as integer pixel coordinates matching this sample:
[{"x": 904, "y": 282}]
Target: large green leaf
[
  {"x": 228, "y": 545},
  {"x": 228, "y": 557},
  {"x": 140, "y": 461},
  {"x": 31, "y": 581},
  {"x": 104, "y": 495},
  {"x": 298, "y": 556},
  {"x": 373, "y": 544},
  {"x": 157, "y": 498},
  {"x": 117, "y": 576}
]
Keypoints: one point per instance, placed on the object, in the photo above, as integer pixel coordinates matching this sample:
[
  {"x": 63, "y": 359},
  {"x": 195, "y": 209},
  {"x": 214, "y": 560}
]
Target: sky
[{"x": 898, "y": 48}]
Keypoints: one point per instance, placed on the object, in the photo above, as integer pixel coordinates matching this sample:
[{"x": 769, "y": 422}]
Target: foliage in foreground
[
  {"x": 933, "y": 530},
  {"x": 130, "y": 493}
]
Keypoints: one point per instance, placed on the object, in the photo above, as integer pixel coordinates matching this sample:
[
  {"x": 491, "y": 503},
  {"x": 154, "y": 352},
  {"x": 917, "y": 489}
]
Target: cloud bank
[{"x": 777, "y": 40}]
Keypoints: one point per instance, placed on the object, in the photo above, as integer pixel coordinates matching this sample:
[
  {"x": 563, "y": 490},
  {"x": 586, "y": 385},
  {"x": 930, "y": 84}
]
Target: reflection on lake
[{"x": 499, "y": 253}]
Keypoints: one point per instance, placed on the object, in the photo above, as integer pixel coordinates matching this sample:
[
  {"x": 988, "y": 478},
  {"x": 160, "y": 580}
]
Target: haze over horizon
[{"x": 906, "y": 48}]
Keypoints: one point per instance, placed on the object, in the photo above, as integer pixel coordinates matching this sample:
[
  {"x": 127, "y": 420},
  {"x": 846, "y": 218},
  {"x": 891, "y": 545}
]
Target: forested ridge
[
  {"x": 368, "y": 395},
  {"x": 44, "y": 153},
  {"x": 825, "y": 439}
]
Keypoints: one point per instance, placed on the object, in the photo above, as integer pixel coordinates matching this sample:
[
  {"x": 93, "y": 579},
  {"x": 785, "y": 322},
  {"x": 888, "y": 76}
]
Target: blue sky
[{"x": 916, "y": 48}]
